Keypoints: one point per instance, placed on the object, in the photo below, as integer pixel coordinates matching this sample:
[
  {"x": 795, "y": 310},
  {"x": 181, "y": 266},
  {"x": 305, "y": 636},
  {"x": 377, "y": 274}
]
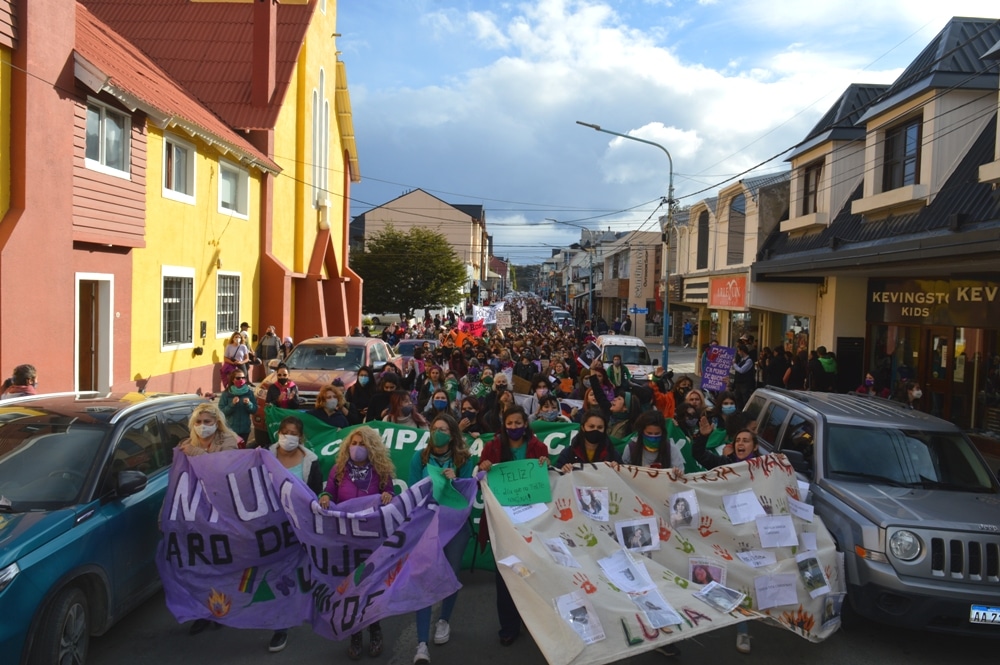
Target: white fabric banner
[{"x": 675, "y": 530}]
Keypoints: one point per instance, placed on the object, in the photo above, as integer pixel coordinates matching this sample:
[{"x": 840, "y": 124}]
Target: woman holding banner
[
  {"x": 589, "y": 445},
  {"x": 363, "y": 468},
  {"x": 447, "y": 451}
]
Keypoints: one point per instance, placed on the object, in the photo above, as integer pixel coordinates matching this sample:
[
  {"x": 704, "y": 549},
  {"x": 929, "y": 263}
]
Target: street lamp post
[
  {"x": 590, "y": 252},
  {"x": 670, "y": 220}
]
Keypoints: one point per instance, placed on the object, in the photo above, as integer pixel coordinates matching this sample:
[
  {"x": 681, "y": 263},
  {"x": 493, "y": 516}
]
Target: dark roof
[
  {"x": 473, "y": 211},
  {"x": 963, "y": 205},
  {"x": 953, "y": 59},
  {"x": 840, "y": 123},
  {"x": 757, "y": 183}
]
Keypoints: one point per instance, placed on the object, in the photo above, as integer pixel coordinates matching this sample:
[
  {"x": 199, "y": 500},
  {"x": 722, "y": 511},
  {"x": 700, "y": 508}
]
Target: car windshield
[
  {"x": 326, "y": 356},
  {"x": 907, "y": 458},
  {"x": 631, "y": 355},
  {"x": 46, "y": 466},
  {"x": 406, "y": 347}
]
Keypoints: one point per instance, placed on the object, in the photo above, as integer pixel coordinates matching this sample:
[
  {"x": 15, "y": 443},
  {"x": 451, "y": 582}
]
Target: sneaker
[
  {"x": 442, "y": 632},
  {"x": 743, "y": 642},
  {"x": 356, "y": 647},
  {"x": 375, "y": 640},
  {"x": 421, "y": 657},
  {"x": 278, "y": 641}
]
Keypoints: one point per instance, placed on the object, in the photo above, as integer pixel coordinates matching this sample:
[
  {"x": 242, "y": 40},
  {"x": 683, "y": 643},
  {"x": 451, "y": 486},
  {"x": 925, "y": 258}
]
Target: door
[
  {"x": 88, "y": 308},
  {"x": 937, "y": 365}
]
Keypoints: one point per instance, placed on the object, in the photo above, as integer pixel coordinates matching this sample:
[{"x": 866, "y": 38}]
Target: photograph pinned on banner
[
  {"x": 626, "y": 572},
  {"x": 812, "y": 574},
  {"x": 577, "y": 611},
  {"x": 832, "y": 606},
  {"x": 639, "y": 535},
  {"x": 720, "y": 597},
  {"x": 659, "y": 612},
  {"x": 704, "y": 571},
  {"x": 559, "y": 551},
  {"x": 684, "y": 511},
  {"x": 515, "y": 564},
  {"x": 593, "y": 502}
]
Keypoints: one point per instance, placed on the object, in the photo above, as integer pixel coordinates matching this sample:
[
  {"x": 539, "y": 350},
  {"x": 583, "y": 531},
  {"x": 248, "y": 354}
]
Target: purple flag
[{"x": 246, "y": 544}]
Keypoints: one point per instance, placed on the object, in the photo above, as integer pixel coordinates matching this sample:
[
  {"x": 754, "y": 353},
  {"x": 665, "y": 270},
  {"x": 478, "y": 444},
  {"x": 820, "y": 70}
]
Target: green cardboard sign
[{"x": 520, "y": 483}]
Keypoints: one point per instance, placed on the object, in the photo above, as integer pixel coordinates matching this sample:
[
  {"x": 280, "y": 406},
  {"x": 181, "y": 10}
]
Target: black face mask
[{"x": 593, "y": 436}]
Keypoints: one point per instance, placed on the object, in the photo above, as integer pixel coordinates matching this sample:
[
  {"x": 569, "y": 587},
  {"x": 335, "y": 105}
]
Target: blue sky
[{"x": 476, "y": 101}]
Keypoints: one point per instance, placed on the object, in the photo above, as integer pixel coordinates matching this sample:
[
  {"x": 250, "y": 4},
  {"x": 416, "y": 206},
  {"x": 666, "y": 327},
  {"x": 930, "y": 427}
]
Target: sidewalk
[{"x": 681, "y": 361}]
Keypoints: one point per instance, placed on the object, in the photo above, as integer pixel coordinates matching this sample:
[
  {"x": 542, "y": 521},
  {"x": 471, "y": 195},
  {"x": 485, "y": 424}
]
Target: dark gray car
[{"x": 908, "y": 498}]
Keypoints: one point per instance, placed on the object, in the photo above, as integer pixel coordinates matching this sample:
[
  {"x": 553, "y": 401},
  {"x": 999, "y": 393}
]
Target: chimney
[{"x": 265, "y": 49}]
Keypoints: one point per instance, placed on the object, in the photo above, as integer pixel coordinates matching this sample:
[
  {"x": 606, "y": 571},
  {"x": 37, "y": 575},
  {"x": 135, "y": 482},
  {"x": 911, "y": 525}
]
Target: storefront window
[
  {"x": 745, "y": 323},
  {"x": 895, "y": 352},
  {"x": 796, "y": 333}
]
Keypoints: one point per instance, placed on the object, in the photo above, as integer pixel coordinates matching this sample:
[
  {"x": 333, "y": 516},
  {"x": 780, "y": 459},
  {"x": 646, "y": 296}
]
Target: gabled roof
[
  {"x": 953, "y": 59},
  {"x": 107, "y": 61},
  {"x": 207, "y": 47},
  {"x": 963, "y": 205},
  {"x": 473, "y": 211},
  {"x": 840, "y": 123}
]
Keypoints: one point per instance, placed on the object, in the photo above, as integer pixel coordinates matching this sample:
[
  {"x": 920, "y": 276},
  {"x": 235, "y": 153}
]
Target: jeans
[{"x": 453, "y": 551}]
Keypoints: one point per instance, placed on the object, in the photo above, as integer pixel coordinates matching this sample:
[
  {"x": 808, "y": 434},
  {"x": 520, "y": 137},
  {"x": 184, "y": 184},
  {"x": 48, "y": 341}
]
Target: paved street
[{"x": 151, "y": 636}]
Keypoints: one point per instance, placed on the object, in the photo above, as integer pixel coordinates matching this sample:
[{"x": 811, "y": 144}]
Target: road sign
[{"x": 638, "y": 310}]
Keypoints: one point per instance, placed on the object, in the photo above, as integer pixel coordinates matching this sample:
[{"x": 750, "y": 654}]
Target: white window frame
[
  {"x": 242, "y": 210},
  {"x": 99, "y": 165},
  {"x": 182, "y": 273},
  {"x": 223, "y": 331},
  {"x": 174, "y": 195}
]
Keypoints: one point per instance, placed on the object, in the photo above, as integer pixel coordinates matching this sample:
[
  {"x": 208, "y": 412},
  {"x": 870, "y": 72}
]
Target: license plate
[{"x": 984, "y": 614}]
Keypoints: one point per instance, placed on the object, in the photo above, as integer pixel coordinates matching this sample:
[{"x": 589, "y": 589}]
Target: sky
[{"x": 476, "y": 101}]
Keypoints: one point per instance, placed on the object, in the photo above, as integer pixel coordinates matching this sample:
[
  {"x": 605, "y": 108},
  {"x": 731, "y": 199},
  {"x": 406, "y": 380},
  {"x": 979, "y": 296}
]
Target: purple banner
[
  {"x": 246, "y": 544},
  {"x": 715, "y": 366}
]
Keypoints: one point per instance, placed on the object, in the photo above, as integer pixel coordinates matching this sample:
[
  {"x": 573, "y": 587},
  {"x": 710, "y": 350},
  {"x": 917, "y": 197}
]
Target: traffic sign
[{"x": 638, "y": 310}]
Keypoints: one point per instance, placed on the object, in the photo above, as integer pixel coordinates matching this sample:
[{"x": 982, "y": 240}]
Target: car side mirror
[
  {"x": 798, "y": 461},
  {"x": 130, "y": 482},
  {"x": 273, "y": 364},
  {"x": 656, "y": 361}
]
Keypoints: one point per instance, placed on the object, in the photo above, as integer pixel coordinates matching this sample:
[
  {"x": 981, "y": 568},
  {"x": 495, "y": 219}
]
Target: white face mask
[
  {"x": 331, "y": 403},
  {"x": 205, "y": 431},
  {"x": 917, "y": 394},
  {"x": 288, "y": 442}
]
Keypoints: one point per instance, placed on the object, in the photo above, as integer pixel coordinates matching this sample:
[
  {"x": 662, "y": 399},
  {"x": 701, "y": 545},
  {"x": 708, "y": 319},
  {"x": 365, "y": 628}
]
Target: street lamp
[
  {"x": 670, "y": 219},
  {"x": 591, "y": 253}
]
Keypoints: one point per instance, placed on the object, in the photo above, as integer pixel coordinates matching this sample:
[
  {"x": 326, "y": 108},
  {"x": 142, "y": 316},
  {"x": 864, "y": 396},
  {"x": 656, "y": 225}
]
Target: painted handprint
[
  {"x": 614, "y": 503},
  {"x": 722, "y": 552},
  {"x": 568, "y": 539},
  {"x": 529, "y": 537},
  {"x": 611, "y": 586},
  {"x": 584, "y": 583},
  {"x": 665, "y": 532},
  {"x": 676, "y": 579},
  {"x": 765, "y": 503},
  {"x": 743, "y": 546},
  {"x": 587, "y": 535},
  {"x": 705, "y": 529},
  {"x": 565, "y": 510},
  {"x": 610, "y": 530},
  {"x": 644, "y": 508},
  {"x": 685, "y": 545}
]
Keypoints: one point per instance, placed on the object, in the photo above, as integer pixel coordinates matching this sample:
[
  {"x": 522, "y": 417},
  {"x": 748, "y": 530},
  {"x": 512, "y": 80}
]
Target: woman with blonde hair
[
  {"x": 331, "y": 407},
  {"x": 209, "y": 432},
  {"x": 363, "y": 468}
]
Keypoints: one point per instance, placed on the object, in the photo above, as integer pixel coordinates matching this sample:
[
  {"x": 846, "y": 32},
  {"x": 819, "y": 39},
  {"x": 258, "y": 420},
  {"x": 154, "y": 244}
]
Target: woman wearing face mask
[
  {"x": 331, "y": 407},
  {"x": 494, "y": 417},
  {"x": 688, "y": 419},
  {"x": 236, "y": 355},
  {"x": 515, "y": 441},
  {"x": 911, "y": 395},
  {"x": 283, "y": 393},
  {"x": 438, "y": 403},
  {"x": 209, "y": 432},
  {"x": 618, "y": 373},
  {"x": 565, "y": 385},
  {"x": 651, "y": 448},
  {"x": 549, "y": 411},
  {"x": 402, "y": 412},
  {"x": 445, "y": 450},
  {"x": 725, "y": 406},
  {"x": 589, "y": 445},
  {"x": 238, "y": 404},
  {"x": 470, "y": 383},
  {"x": 431, "y": 380},
  {"x": 869, "y": 388},
  {"x": 471, "y": 418},
  {"x": 540, "y": 387},
  {"x": 361, "y": 392},
  {"x": 363, "y": 468}
]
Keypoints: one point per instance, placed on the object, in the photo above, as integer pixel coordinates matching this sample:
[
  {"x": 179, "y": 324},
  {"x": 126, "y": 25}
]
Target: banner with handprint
[
  {"x": 770, "y": 561},
  {"x": 246, "y": 544}
]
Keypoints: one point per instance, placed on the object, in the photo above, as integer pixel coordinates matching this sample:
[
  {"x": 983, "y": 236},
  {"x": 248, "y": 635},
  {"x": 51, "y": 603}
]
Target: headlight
[
  {"x": 7, "y": 575},
  {"x": 905, "y": 545}
]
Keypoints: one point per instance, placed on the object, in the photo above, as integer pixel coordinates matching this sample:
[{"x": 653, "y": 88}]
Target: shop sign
[
  {"x": 728, "y": 292},
  {"x": 963, "y": 303}
]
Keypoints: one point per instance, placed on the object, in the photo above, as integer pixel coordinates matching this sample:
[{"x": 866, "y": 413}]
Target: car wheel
[{"x": 65, "y": 635}]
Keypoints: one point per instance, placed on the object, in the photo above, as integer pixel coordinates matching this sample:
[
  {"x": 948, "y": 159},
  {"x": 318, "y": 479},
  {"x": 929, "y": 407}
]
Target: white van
[{"x": 633, "y": 351}]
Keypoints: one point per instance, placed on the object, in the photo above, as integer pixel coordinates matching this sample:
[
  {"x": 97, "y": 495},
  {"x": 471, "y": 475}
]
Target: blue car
[{"x": 82, "y": 480}]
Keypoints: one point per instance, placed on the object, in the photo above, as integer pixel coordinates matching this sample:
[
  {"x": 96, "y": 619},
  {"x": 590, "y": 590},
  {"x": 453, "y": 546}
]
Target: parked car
[
  {"x": 908, "y": 498},
  {"x": 404, "y": 350},
  {"x": 633, "y": 351},
  {"x": 318, "y": 362},
  {"x": 82, "y": 480}
]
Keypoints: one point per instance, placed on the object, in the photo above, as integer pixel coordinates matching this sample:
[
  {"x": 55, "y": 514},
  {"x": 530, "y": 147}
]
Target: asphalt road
[{"x": 151, "y": 636}]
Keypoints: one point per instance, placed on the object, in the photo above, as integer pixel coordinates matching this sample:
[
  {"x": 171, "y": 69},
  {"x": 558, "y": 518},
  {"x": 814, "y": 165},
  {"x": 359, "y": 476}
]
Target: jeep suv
[{"x": 908, "y": 499}]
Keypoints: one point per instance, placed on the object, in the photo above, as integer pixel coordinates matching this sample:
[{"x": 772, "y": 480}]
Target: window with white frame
[
  {"x": 234, "y": 195},
  {"x": 177, "y": 320},
  {"x": 178, "y": 169},
  {"x": 227, "y": 303},
  {"x": 107, "y": 147}
]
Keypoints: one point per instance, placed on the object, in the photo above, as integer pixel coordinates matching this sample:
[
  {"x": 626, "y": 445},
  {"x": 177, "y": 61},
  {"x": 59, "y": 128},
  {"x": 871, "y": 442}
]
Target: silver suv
[{"x": 908, "y": 499}]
